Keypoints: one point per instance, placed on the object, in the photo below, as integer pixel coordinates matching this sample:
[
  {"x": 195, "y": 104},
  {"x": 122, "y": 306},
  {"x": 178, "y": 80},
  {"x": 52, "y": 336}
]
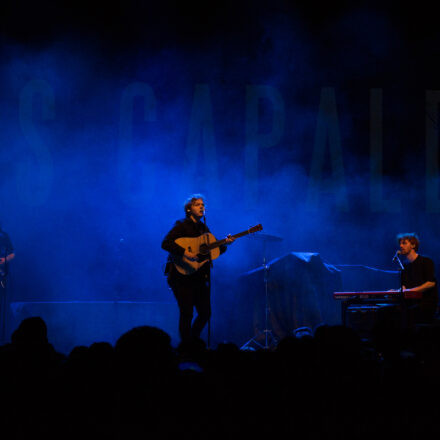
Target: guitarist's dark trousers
[{"x": 192, "y": 292}]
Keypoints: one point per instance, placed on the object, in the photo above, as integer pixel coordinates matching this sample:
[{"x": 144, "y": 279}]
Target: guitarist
[
  {"x": 193, "y": 290},
  {"x": 6, "y": 255}
]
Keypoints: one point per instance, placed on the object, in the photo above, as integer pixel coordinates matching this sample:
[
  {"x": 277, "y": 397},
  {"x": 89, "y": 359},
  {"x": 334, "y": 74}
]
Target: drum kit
[{"x": 264, "y": 338}]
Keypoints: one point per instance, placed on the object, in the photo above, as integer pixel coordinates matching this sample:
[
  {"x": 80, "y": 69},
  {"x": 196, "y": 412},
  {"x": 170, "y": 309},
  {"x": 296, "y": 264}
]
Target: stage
[{"x": 74, "y": 323}]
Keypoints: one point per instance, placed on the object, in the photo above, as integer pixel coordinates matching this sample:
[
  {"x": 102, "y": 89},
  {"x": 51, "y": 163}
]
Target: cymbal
[{"x": 266, "y": 237}]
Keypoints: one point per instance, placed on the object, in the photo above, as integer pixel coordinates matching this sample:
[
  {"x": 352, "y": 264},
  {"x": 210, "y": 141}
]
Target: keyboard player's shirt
[{"x": 416, "y": 273}]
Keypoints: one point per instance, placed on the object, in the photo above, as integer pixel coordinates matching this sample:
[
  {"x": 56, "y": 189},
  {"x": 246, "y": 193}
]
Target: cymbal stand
[{"x": 268, "y": 335}]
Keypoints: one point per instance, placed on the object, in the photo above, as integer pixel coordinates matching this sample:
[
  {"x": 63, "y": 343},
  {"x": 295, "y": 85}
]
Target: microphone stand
[
  {"x": 209, "y": 286},
  {"x": 401, "y": 269}
]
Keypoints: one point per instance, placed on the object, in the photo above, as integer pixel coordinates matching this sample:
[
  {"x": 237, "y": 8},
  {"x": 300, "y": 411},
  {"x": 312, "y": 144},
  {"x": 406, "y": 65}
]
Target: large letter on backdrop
[
  {"x": 327, "y": 130},
  {"x": 432, "y": 157},
  {"x": 35, "y": 173},
  {"x": 128, "y": 195},
  {"x": 377, "y": 202},
  {"x": 201, "y": 136},
  {"x": 255, "y": 140}
]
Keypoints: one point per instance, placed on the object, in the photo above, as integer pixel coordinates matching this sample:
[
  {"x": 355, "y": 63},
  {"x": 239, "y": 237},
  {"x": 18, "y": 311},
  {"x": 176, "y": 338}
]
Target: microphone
[{"x": 396, "y": 255}]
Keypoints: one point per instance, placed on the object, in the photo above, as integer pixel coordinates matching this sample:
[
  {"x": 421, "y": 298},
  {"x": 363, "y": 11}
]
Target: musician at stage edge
[
  {"x": 188, "y": 271},
  {"x": 418, "y": 275},
  {"x": 6, "y": 255}
]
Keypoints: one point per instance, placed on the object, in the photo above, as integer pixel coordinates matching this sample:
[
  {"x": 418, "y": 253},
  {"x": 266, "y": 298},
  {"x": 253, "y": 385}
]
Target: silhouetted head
[
  {"x": 31, "y": 331},
  {"x": 337, "y": 343},
  {"x": 194, "y": 349},
  {"x": 144, "y": 346},
  {"x": 78, "y": 353},
  {"x": 287, "y": 345}
]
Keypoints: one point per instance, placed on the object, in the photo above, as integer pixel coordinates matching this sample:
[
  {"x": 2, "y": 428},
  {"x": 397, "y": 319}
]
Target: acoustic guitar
[{"x": 206, "y": 247}]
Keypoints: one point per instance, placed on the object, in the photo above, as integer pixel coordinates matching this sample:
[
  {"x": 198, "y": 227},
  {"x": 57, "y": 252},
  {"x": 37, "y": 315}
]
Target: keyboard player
[{"x": 418, "y": 276}]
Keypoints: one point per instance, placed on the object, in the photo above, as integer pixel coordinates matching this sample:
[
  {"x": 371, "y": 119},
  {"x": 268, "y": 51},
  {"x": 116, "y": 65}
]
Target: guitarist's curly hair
[{"x": 190, "y": 200}]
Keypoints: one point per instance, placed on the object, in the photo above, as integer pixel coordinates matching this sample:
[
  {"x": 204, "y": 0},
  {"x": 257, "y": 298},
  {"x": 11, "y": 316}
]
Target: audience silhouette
[{"x": 317, "y": 383}]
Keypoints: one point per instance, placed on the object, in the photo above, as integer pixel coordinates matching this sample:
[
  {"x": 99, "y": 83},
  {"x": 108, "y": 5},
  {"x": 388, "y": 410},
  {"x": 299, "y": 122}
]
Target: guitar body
[{"x": 199, "y": 246}]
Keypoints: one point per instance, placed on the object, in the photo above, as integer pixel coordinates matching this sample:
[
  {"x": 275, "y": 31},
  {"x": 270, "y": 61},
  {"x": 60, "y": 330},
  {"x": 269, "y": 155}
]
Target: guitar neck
[{"x": 221, "y": 242}]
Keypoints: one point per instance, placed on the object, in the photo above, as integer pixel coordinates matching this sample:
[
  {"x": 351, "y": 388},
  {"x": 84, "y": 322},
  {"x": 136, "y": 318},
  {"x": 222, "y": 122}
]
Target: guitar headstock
[{"x": 255, "y": 228}]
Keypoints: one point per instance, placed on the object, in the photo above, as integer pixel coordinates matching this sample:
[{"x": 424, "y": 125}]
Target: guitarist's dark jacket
[{"x": 185, "y": 228}]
